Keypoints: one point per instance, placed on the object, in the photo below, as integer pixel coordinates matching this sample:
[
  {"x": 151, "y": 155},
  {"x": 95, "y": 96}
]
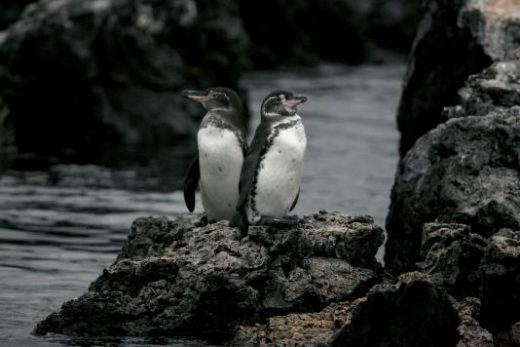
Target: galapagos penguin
[
  {"x": 221, "y": 141},
  {"x": 272, "y": 170}
]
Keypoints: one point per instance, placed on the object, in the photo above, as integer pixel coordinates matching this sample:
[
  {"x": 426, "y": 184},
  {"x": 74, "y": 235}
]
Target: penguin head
[
  {"x": 221, "y": 98},
  {"x": 281, "y": 103}
]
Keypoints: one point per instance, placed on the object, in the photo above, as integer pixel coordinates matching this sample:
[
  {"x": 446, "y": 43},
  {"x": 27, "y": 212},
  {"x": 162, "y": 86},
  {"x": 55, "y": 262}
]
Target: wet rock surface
[
  {"x": 186, "y": 278},
  {"x": 467, "y": 170},
  {"x": 454, "y": 40}
]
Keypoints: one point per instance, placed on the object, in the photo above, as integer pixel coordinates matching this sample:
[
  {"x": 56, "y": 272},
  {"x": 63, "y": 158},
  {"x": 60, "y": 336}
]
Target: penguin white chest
[
  {"x": 220, "y": 160},
  {"x": 280, "y": 172}
]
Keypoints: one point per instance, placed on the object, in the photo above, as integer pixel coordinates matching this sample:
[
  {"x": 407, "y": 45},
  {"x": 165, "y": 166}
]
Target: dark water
[{"x": 57, "y": 234}]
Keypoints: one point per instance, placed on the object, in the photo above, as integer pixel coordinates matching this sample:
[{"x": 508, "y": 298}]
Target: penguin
[
  {"x": 272, "y": 170},
  {"x": 221, "y": 142}
]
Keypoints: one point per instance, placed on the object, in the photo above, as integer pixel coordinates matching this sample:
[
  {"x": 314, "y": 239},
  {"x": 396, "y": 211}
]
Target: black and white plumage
[
  {"x": 221, "y": 142},
  {"x": 272, "y": 170}
]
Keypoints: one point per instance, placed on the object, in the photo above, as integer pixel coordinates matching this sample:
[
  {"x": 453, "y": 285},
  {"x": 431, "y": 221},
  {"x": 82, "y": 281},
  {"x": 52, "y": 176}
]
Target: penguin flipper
[
  {"x": 191, "y": 181},
  {"x": 295, "y": 200},
  {"x": 250, "y": 166}
]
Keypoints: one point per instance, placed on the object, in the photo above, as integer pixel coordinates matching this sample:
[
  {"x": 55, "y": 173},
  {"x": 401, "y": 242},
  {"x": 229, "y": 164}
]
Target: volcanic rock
[
  {"x": 455, "y": 39},
  {"x": 186, "y": 278},
  {"x": 413, "y": 311},
  {"x": 467, "y": 170}
]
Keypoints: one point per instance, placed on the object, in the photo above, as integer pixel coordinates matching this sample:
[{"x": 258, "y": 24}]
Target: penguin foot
[
  {"x": 283, "y": 222},
  {"x": 203, "y": 221},
  {"x": 239, "y": 222}
]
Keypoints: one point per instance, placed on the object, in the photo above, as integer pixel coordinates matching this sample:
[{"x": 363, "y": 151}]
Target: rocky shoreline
[
  {"x": 452, "y": 262},
  {"x": 314, "y": 284}
]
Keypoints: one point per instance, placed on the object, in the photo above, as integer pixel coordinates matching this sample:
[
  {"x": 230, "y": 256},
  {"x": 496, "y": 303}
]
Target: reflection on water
[{"x": 59, "y": 228}]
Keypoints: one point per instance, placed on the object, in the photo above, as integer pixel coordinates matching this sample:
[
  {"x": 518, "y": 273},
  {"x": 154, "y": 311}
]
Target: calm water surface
[{"x": 59, "y": 229}]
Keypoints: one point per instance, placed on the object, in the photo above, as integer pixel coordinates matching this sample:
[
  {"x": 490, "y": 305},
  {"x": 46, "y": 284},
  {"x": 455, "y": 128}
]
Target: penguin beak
[
  {"x": 295, "y": 101},
  {"x": 196, "y": 95}
]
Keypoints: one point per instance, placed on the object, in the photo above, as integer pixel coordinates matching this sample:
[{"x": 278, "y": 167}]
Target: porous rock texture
[
  {"x": 312, "y": 284},
  {"x": 411, "y": 311},
  {"x": 455, "y": 210},
  {"x": 452, "y": 254},
  {"x": 455, "y": 38},
  {"x": 468, "y": 265},
  {"x": 82, "y": 76},
  {"x": 467, "y": 170},
  {"x": 186, "y": 278}
]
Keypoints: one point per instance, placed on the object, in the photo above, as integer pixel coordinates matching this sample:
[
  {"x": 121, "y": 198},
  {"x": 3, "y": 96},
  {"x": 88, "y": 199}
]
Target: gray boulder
[
  {"x": 454, "y": 40},
  {"x": 81, "y": 77},
  {"x": 186, "y": 278},
  {"x": 467, "y": 170}
]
